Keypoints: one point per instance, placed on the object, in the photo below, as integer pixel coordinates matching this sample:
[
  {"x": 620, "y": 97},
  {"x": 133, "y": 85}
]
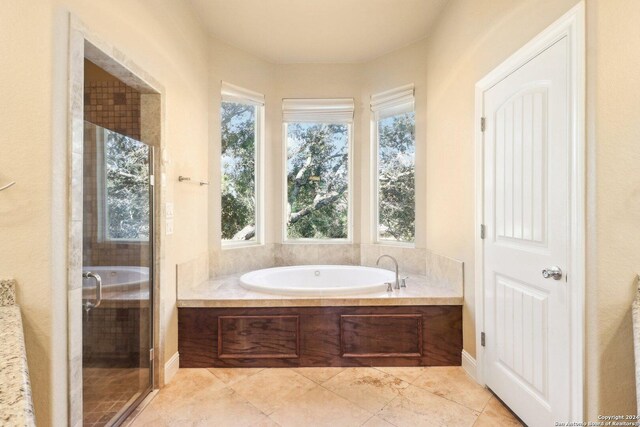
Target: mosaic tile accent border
[{"x": 113, "y": 105}]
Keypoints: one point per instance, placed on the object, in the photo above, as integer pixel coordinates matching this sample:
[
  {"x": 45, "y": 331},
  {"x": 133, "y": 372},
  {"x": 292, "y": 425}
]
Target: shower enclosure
[{"x": 117, "y": 274}]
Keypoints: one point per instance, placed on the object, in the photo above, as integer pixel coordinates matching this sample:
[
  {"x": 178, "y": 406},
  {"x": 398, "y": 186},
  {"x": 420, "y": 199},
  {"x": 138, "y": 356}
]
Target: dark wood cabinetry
[{"x": 320, "y": 336}]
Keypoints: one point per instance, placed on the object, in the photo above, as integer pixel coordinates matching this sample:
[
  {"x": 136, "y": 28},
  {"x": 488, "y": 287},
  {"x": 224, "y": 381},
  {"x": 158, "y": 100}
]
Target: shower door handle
[{"x": 88, "y": 305}]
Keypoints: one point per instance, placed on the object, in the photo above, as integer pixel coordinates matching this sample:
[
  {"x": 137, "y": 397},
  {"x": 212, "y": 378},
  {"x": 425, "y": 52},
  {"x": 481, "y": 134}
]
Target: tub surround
[
  {"x": 16, "y": 407},
  {"x": 230, "y": 261},
  {"x": 422, "y": 335},
  {"x": 193, "y": 272},
  {"x": 227, "y": 292},
  {"x": 222, "y": 324}
]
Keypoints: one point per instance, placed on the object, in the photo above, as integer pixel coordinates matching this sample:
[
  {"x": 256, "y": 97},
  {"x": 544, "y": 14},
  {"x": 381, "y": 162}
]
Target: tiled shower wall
[
  {"x": 115, "y": 106},
  {"x": 115, "y": 334}
]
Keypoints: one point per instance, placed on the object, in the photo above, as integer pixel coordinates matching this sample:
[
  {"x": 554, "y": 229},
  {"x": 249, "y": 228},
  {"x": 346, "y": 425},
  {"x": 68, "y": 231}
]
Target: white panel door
[{"x": 526, "y": 214}]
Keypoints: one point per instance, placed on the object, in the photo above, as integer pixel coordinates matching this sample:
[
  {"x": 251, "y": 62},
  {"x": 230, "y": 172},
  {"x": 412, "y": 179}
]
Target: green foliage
[
  {"x": 238, "y": 171},
  {"x": 396, "y": 174},
  {"x": 317, "y": 180},
  {"x": 127, "y": 187},
  {"x": 317, "y": 177}
]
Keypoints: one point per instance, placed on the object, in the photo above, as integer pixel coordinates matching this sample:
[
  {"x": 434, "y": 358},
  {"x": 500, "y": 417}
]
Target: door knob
[{"x": 554, "y": 272}]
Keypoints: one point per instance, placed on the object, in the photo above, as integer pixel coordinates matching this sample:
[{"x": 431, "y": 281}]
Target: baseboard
[
  {"x": 171, "y": 367},
  {"x": 469, "y": 365}
]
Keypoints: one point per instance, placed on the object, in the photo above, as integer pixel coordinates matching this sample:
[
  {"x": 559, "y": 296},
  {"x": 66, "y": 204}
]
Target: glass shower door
[{"x": 117, "y": 274}]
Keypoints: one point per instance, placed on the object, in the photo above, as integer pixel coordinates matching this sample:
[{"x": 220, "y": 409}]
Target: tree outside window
[
  {"x": 396, "y": 178},
  {"x": 317, "y": 181},
  {"x": 126, "y": 188},
  {"x": 238, "y": 126}
]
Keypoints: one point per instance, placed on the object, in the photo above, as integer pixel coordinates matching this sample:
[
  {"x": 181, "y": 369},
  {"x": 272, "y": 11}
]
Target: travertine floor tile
[
  {"x": 418, "y": 407},
  {"x": 320, "y": 407},
  {"x": 495, "y": 414},
  {"x": 408, "y": 374},
  {"x": 271, "y": 388},
  {"x": 197, "y": 397},
  {"x": 454, "y": 384},
  {"x": 366, "y": 387},
  {"x": 319, "y": 375},
  {"x": 376, "y": 421},
  {"x": 233, "y": 375},
  {"x": 187, "y": 386},
  {"x": 224, "y": 408}
]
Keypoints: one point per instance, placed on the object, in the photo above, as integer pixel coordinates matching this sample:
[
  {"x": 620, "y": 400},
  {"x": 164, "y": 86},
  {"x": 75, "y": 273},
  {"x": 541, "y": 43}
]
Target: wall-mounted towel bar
[
  {"x": 186, "y": 178},
  {"x": 11, "y": 184}
]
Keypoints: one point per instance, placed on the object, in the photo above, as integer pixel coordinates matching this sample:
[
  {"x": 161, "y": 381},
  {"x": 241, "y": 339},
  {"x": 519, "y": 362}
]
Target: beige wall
[
  {"x": 404, "y": 66},
  {"x": 469, "y": 39},
  {"x": 26, "y": 218},
  {"x": 165, "y": 40},
  {"x": 613, "y": 114}
]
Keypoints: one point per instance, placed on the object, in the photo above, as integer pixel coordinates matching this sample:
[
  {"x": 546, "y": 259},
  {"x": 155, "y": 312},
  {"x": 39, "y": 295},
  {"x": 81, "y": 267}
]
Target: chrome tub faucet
[{"x": 397, "y": 285}]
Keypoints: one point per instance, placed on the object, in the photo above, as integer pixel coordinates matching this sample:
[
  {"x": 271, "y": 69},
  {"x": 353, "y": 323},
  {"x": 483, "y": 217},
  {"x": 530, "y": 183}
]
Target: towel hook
[
  {"x": 182, "y": 178},
  {"x": 11, "y": 184}
]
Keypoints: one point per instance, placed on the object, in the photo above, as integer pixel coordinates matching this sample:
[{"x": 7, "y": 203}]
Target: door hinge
[
  {"x": 152, "y": 180},
  {"x": 150, "y": 354},
  {"x": 483, "y": 124},
  {"x": 483, "y": 231},
  {"x": 482, "y": 339}
]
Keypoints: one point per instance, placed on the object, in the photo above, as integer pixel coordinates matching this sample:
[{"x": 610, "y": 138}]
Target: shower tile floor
[
  {"x": 107, "y": 391},
  {"x": 324, "y": 397}
]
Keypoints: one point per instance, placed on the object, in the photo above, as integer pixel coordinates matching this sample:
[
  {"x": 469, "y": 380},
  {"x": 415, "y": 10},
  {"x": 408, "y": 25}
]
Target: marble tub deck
[{"x": 227, "y": 292}]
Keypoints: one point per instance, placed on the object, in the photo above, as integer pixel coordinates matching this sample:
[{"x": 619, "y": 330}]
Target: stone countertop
[
  {"x": 16, "y": 407},
  {"x": 227, "y": 292}
]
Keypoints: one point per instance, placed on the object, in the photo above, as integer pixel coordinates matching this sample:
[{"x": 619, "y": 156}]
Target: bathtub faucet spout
[{"x": 397, "y": 286}]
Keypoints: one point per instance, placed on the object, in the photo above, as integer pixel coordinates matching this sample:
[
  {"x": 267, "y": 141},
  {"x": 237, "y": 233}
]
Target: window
[
  {"x": 394, "y": 201},
  {"x": 240, "y": 118},
  {"x": 318, "y": 145},
  {"x": 124, "y": 186}
]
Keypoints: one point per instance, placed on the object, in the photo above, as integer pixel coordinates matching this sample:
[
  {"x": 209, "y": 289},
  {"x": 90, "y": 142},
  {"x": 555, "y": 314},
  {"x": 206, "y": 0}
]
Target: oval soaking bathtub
[{"x": 318, "y": 280}]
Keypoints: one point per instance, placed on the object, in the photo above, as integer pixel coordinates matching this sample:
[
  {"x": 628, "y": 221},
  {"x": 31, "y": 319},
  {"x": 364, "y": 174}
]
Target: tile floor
[
  {"x": 371, "y": 397},
  {"x": 106, "y": 391}
]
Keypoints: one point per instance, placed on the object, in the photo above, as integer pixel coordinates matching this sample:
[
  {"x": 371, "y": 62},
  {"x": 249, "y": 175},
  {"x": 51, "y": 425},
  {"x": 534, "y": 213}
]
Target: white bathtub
[
  {"x": 117, "y": 278},
  {"x": 318, "y": 280}
]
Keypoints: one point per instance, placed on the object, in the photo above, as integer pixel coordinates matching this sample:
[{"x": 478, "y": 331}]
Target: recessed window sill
[
  {"x": 240, "y": 245},
  {"x": 396, "y": 244},
  {"x": 318, "y": 242}
]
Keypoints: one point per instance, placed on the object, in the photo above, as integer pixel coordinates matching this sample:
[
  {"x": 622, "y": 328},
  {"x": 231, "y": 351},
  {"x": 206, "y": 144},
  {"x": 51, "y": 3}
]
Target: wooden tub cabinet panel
[
  {"x": 320, "y": 336},
  {"x": 381, "y": 335},
  {"x": 258, "y": 337}
]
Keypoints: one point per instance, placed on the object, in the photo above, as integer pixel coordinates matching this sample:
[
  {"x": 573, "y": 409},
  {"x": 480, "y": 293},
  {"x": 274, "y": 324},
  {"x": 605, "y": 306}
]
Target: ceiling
[{"x": 318, "y": 31}]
